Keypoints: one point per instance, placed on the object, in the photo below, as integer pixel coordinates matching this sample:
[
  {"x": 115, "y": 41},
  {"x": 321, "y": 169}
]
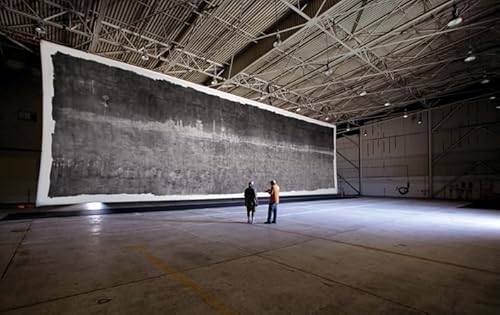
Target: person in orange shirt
[{"x": 274, "y": 200}]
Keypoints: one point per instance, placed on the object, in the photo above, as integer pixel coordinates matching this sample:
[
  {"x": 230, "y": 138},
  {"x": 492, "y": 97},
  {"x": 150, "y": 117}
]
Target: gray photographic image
[{"x": 117, "y": 132}]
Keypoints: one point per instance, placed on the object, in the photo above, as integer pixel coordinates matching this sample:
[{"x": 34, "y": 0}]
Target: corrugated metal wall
[{"x": 394, "y": 153}]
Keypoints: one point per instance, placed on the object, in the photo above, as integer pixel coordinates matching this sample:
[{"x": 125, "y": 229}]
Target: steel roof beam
[
  {"x": 253, "y": 52},
  {"x": 186, "y": 26},
  {"x": 97, "y": 25},
  {"x": 413, "y": 39},
  {"x": 319, "y": 24},
  {"x": 111, "y": 34}
]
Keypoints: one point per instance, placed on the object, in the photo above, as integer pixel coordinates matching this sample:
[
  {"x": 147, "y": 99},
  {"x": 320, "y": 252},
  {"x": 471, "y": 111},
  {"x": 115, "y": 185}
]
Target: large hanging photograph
[{"x": 113, "y": 132}]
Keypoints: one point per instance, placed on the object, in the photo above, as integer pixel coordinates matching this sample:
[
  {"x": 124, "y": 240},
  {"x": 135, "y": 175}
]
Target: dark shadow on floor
[
  {"x": 484, "y": 204},
  {"x": 54, "y": 212}
]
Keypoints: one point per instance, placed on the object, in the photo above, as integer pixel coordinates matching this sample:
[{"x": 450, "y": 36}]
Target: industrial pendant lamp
[
  {"x": 455, "y": 19},
  {"x": 328, "y": 71},
  {"x": 277, "y": 41},
  {"x": 144, "y": 56},
  {"x": 41, "y": 29},
  {"x": 470, "y": 57},
  {"x": 485, "y": 79}
]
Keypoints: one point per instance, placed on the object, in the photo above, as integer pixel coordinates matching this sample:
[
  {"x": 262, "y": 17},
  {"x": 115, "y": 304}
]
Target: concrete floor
[{"x": 354, "y": 256}]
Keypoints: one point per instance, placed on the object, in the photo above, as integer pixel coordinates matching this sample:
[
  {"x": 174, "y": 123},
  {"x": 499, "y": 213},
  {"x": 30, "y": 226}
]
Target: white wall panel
[{"x": 465, "y": 151}]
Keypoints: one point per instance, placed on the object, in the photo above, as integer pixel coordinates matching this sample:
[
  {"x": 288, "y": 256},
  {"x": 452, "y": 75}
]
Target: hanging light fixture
[
  {"x": 405, "y": 115},
  {"x": 485, "y": 79},
  {"x": 362, "y": 93},
  {"x": 387, "y": 104},
  {"x": 493, "y": 97},
  {"x": 298, "y": 109},
  {"x": 365, "y": 133},
  {"x": 277, "y": 41},
  {"x": 40, "y": 28},
  {"x": 144, "y": 56},
  {"x": 419, "y": 121},
  {"x": 455, "y": 18},
  {"x": 470, "y": 57},
  {"x": 214, "y": 77},
  {"x": 328, "y": 70},
  {"x": 348, "y": 128}
]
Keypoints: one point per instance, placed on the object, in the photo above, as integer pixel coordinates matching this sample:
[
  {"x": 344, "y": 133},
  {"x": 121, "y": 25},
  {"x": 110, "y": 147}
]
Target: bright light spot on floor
[
  {"x": 482, "y": 221},
  {"x": 94, "y": 206},
  {"x": 95, "y": 224},
  {"x": 460, "y": 220}
]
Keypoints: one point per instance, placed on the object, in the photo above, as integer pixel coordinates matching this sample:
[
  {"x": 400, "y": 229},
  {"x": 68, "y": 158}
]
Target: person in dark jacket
[{"x": 251, "y": 201}]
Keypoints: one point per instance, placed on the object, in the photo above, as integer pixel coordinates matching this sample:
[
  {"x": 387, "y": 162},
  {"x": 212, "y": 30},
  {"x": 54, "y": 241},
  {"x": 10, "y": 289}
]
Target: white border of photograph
[{"x": 48, "y": 49}]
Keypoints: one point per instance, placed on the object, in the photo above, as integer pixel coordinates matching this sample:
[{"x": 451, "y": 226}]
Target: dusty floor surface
[{"x": 354, "y": 256}]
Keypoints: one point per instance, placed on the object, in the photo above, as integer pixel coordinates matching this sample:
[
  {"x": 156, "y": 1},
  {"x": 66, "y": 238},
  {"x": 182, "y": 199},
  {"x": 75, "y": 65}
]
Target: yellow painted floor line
[{"x": 185, "y": 281}]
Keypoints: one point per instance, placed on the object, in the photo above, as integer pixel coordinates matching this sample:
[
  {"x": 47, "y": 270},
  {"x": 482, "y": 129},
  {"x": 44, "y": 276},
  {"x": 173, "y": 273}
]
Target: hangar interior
[{"x": 409, "y": 88}]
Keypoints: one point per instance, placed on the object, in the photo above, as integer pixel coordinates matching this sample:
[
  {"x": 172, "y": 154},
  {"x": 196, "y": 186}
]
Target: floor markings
[
  {"x": 185, "y": 281},
  {"x": 391, "y": 252},
  {"x": 15, "y": 251}
]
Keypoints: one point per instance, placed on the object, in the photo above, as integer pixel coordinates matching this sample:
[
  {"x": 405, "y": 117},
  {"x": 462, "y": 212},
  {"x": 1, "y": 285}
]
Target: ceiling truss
[{"x": 336, "y": 60}]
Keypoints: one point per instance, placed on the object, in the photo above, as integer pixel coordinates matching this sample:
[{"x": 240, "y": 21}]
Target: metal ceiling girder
[
  {"x": 190, "y": 62},
  {"x": 365, "y": 49},
  {"x": 398, "y": 115},
  {"x": 256, "y": 52},
  {"x": 318, "y": 9},
  {"x": 433, "y": 34},
  {"x": 319, "y": 24},
  {"x": 336, "y": 61},
  {"x": 358, "y": 16},
  {"x": 372, "y": 75},
  {"x": 368, "y": 111},
  {"x": 329, "y": 17},
  {"x": 187, "y": 25},
  {"x": 387, "y": 35},
  {"x": 420, "y": 65},
  {"x": 112, "y": 33},
  {"x": 16, "y": 42},
  {"x": 368, "y": 53},
  {"x": 261, "y": 86}
]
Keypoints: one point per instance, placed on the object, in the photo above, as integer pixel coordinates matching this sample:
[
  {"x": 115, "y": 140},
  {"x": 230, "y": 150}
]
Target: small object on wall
[
  {"x": 105, "y": 99},
  {"x": 403, "y": 190},
  {"x": 26, "y": 115}
]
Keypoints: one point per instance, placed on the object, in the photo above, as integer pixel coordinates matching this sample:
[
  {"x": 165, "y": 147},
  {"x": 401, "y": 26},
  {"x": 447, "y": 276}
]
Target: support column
[
  {"x": 360, "y": 164},
  {"x": 429, "y": 151}
]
